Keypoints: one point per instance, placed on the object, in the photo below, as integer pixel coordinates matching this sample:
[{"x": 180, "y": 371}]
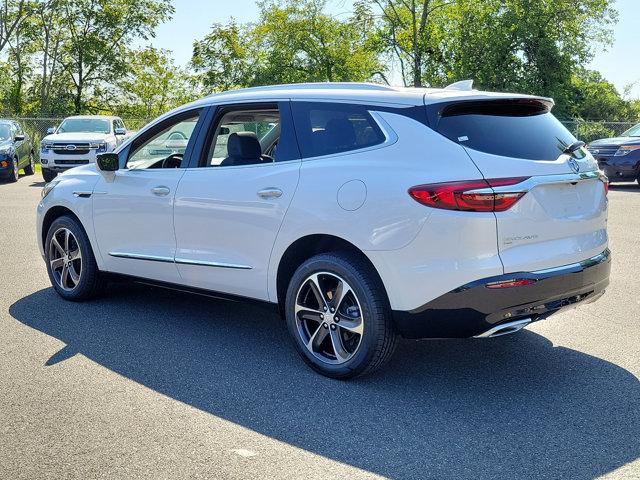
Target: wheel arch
[
  {"x": 306, "y": 247},
  {"x": 52, "y": 214}
]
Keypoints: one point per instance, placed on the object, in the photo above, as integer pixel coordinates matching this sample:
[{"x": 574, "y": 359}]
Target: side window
[
  {"x": 329, "y": 128},
  {"x": 114, "y": 125},
  {"x": 250, "y": 135},
  {"x": 165, "y": 145}
]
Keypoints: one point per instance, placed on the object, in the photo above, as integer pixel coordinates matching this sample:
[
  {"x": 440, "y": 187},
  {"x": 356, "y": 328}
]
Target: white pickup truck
[{"x": 78, "y": 140}]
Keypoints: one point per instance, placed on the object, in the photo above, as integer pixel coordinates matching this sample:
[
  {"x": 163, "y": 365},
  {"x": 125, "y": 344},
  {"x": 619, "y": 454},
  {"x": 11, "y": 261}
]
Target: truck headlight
[
  {"x": 100, "y": 147},
  {"x": 44, "y": 147}
]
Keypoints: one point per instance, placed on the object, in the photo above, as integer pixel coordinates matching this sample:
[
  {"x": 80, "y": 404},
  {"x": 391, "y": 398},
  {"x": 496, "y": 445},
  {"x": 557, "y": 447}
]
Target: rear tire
[
  {"x": 48, "y": 174},
  {"x": 362, "y": 339},
  {"x": 31, "y": 168},
  {"x": 71, "y": 264}
]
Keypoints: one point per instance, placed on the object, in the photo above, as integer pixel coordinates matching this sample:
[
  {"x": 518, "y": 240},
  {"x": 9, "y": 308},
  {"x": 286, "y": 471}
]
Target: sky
[{"x": 193, "y": 18}]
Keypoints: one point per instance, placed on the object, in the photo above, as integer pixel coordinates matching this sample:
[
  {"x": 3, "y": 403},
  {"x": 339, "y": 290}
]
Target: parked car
[
  {"x": 16, "y": 151},
  {"x": 78, "y": 140},
  {"x": 362, "y": 212},
  {"x": 619, "y": 157}
]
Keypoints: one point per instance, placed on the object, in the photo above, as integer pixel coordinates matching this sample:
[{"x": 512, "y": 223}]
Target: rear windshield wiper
[{"x": 573, "y": 147}]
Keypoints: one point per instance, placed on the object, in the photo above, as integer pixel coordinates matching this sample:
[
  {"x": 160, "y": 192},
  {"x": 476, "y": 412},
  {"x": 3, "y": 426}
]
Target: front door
[
  {"x": 133, "y": 207},
  {"x": 231, "y": 202}
]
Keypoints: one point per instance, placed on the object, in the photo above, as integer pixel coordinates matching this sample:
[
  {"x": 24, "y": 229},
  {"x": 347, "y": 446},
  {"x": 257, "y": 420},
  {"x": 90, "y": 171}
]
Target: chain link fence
[
  {"x": 583, "y": 130},
  {"x": 587, "y": 131}
]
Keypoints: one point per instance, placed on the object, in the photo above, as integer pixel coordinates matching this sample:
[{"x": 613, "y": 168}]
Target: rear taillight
[
  {"x": 466, "y": 196},
  {"x": 606, "y": 187}
]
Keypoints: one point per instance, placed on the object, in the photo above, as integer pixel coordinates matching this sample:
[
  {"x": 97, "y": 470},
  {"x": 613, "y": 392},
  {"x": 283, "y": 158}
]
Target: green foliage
[
  {"x": 294, "y": 41},
  {"x": 153, "y": 85}
]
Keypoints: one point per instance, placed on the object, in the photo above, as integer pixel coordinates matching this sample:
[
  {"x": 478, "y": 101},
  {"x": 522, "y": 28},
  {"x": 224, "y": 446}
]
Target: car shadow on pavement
[
  {"x": 507, "y": 407},
  {"x": 624, "y": 187}
]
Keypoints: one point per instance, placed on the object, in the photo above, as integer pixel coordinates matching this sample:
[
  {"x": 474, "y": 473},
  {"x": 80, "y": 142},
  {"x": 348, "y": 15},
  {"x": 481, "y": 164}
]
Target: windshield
[
  {"x": 84, "y": 125},
  {"x": 632, "y": 132},
  {"x": 5, "y": 131}
]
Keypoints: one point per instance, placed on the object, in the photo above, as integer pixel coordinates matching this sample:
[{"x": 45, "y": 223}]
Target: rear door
[
  {"x": 228, "y": 210},
  {"x": 561, "y": 219}
]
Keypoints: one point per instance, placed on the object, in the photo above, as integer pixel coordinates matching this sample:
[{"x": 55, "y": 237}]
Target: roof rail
[
  {"x": 464, "y": 85},
  {"x": 314, "y": 85}
]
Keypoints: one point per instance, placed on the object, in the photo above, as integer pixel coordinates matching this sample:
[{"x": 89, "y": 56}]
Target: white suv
[{"x": 361, "y": 211}]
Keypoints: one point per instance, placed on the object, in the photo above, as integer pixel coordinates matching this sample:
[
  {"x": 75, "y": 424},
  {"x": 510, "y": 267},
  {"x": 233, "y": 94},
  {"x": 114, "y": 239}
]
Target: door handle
[
  {"x": 270, "y": 193},
  {"x": 160, "y": 191}
]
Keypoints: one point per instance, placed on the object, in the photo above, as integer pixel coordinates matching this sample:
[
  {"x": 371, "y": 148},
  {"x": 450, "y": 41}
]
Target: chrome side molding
[{"x": 180, "y": 261}]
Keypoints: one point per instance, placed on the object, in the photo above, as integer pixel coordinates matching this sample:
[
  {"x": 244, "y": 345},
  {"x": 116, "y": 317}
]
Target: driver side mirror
[
  {"x": 108, "y": 162},
  {"x": 18, "y": 138},
  {"x": 51, "y": 130},
  {"x": 120, "y": 131}
]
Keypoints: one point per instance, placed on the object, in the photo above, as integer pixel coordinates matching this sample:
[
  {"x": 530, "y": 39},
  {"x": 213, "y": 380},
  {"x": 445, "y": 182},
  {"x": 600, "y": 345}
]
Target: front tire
[
  {"x": 71, "y": 264},
  {"x": 14, "y": 175},
  {"x": 48, "y": 174},
  {"x": 339, "y": 317}
]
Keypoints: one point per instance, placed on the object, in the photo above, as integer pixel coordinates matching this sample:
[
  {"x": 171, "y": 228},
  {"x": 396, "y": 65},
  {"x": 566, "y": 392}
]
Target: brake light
[
  {"x": 606, "y": 187},
  {"x": 461, "y": 195}
]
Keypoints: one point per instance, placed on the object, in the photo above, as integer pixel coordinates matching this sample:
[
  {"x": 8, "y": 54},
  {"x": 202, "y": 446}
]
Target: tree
[
  {"x": 12, "y": 14},
  {"x": 408, "y": 34},
  {"x": 225, "y": 56},
  {"x": 153, "y": 85},
  {"x": 95, "y": 51},
  {"x": 294, "y": 41}
]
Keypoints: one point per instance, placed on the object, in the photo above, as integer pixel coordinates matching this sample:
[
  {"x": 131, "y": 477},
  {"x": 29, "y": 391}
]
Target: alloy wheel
[
  {"x": 65, "y": 259},
  {"x": 328, "y": 317}
]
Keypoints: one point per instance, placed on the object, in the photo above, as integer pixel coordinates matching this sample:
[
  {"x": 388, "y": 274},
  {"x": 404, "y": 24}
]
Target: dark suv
[
  {"x": 16, "y": 151},
  {"x": 619, "y": 157}
]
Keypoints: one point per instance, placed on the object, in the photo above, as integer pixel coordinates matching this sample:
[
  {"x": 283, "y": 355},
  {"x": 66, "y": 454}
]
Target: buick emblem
[
  {"x": 575, "y": 166},
  {"x": 70, "y": 147}
]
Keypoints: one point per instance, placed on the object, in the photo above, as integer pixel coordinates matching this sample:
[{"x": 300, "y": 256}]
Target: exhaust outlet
[{"x": 505, "y": 328}]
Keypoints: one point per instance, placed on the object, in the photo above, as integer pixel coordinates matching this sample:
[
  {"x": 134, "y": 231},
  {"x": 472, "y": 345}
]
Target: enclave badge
[{"x": 575, "y": 166}]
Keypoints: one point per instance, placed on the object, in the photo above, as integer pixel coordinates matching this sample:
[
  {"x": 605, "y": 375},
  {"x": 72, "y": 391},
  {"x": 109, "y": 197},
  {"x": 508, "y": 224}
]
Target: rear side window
[
  {"x": 329, "y": 128},
  {"x": 512, "y": 129}
]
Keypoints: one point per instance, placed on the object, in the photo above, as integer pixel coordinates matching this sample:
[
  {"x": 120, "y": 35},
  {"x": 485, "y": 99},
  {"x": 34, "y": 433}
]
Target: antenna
[{"x": 464, "y": 85}]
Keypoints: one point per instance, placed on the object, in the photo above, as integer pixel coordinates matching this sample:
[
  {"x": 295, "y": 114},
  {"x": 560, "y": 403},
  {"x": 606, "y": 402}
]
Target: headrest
[
  {"x": 244, "y": 145},
  {"x": 340, "y": 132}
]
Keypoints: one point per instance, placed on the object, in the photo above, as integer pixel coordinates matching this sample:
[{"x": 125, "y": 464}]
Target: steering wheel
[{"x": 173, "y": 161}]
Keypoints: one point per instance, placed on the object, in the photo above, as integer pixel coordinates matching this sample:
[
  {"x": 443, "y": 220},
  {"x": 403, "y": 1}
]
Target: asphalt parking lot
[{"x": 147, "y": 383}]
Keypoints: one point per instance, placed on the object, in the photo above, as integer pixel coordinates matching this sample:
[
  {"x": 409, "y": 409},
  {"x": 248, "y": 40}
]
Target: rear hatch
[{"x": 561, "y": 219}]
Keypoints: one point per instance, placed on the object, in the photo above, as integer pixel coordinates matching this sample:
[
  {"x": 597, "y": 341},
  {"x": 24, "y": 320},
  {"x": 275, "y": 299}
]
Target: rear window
[
  {"x": 512, "y": 129},
  {"x": 329, "y": 128}
]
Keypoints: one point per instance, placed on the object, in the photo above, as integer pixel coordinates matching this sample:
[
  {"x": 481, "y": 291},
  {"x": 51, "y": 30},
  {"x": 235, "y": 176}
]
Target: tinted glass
[
  {"x": 171, "y": 141},
  {"x": 264, "y": 123},
  {"x": 510, "y": 130},
  {"x": 329, "y": 128},
  {"x": 88, "y": 125},
  {"x": 5, "y": 131},
  {"x": 632, "y": 132}
]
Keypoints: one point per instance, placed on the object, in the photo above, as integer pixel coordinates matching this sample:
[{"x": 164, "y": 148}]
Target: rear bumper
[{"x": 473, "y": 309}]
